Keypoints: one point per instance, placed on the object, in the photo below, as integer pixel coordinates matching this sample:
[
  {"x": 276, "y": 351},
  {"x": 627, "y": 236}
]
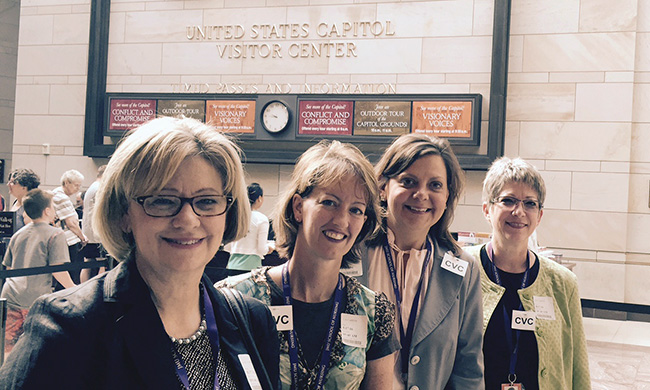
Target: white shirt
[
  {"x": 255, "y": 241},
  {"x": 89, "y": 207}
]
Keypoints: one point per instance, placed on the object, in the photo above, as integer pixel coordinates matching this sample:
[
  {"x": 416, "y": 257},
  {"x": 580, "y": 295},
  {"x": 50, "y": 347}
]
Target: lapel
[
  {"x": 230, "y": 339},
  {"x": 441, "y": 295},
  {"x": 138, "y": 323}
]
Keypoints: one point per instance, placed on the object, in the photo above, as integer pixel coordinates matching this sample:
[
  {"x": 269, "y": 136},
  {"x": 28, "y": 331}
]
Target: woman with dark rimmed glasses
[
  {"x": 172, "y": 193},
  {"x": 533, "y": 334}
]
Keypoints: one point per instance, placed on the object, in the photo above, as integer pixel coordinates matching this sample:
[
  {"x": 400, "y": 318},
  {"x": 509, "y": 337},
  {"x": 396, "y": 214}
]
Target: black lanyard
[
  {"x": 406, "y": 336},
  {"x": 512, "y": 346},
  {"x": 323, "y": 366},
  {"x": 213, "y": 335}
]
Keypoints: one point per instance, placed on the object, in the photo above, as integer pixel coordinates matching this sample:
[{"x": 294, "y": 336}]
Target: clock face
[{"x": 275, "y": 117}]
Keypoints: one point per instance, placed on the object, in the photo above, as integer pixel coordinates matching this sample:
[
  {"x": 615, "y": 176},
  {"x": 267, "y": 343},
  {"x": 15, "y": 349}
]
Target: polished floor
[{"x": 619, "y": 354}]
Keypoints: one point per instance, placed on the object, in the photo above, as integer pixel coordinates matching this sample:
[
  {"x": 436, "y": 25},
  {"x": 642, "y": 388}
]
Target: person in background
[
  {"x": 171, "y": 193},
  {"x": 67, "y": 217},
  {"x": 247, "y": 253},
  {"x": 37, "y": 244},
  {"x": 21, "y": 181},
  {"x": 421, "y": 268},
  {"x": 342, "y": 335},
  {"x": 532, "y": 321},
  {"x": 92, "y": 248}
]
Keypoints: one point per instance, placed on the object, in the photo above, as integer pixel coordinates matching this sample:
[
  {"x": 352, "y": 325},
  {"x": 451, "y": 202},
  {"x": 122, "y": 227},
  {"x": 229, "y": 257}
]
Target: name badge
[
  {"x": 454, "y": 264},
  {"x": 283, "y": 316},
  {"x": 353, "y": 270},
  {"x": 544, "y": 308},
  {"x": 354, "y": 330},
  {"x": 249, "y": 371},
  {"x": 523, "y": 320}
]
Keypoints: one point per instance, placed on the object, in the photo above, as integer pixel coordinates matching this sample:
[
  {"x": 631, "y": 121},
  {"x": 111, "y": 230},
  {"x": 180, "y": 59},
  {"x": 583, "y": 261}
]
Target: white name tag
[
  {"x": 353, "y": 270},
  {"x": 354, "y": 330},
  {"x": 249, "y": 371},
  {"x": 523, "y": 320},
  {"x": 283, "y": 316},
  {"x": 544, "y": 308},
  {"x": 454, "y": 264}
]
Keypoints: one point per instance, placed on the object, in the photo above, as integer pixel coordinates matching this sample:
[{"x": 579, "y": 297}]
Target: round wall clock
[{"x": 275, "y": 116}]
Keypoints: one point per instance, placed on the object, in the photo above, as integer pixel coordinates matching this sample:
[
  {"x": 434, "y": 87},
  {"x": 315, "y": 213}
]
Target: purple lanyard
[
  {"x": 407, "y": 337},
  {"x": 213, "y": 335},
  {"x": 506, "y": 318},
  {"x": 323, "y": 366}
]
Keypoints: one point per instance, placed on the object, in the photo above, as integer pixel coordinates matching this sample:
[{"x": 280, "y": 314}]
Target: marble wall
[
  {"x": 578, "y": 97},
  {"x": 9, "y": 17}
]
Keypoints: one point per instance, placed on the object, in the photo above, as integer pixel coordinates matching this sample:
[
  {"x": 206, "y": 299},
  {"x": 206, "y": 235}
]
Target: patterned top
[
  {"x": 347, "y": 364},
  {"x": 200, "y": 365},
  {"x": 64, "y": 209}
]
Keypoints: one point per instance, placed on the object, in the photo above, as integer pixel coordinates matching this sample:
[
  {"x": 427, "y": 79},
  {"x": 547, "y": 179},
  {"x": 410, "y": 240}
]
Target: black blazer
[{"x": 107, "y": 334}]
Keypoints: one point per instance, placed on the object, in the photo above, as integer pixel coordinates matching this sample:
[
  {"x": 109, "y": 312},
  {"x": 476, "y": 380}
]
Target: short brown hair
[
  {"x": 403, "y": 152},
  {"x": 36, "y": 201}
]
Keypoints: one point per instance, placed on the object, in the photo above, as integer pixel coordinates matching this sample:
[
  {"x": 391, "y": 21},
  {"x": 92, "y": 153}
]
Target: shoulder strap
[{"x": 240, "y": 311}]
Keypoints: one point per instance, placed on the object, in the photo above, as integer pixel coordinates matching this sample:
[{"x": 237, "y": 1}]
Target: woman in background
[
  {"x": 416, "y": 262},
  {"x": 20, "y": 182},
  {"x": 342, "y": 334},
  {"x": 247, "y": 253},
  {"x": 171, "y": 193},
  {"x": 532, "y": 315}
]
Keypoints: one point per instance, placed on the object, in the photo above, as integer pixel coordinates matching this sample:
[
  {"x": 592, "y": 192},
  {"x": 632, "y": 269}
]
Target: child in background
[{"x": 37, "y": 244}]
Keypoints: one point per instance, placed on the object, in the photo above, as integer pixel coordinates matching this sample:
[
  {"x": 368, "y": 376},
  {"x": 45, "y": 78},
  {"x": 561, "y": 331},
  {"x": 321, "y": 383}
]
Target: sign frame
[{"x": 492, "y": 144}]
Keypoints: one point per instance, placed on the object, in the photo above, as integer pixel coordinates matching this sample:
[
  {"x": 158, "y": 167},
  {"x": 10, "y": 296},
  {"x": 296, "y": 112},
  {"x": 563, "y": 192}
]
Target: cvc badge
[
  {"x": 283, "y": 316},
  {"x": 454, "y": 264}
]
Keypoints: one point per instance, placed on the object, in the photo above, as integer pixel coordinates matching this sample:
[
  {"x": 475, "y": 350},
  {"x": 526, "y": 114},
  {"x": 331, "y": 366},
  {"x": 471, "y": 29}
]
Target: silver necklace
[{"x": 193, "y": 337}]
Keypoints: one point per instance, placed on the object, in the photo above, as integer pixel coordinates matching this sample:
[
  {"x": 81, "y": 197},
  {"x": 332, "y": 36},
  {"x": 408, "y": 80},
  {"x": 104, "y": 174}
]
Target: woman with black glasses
[
  {"x": 533, "y": 334},
  {"x": 172, "y": 193}
]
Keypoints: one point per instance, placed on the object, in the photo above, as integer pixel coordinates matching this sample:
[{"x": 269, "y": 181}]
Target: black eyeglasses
[
  {"x": 169, "y": 205},
  {"x": 509, "y": 203}
]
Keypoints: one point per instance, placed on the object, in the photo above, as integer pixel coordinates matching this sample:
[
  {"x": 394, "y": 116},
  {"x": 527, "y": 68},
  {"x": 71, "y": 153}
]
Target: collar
[{"x": 391, "y": 242}]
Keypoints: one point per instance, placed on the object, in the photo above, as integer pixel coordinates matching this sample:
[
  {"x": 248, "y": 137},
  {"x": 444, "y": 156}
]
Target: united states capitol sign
[{"x": 290, "y": 40}]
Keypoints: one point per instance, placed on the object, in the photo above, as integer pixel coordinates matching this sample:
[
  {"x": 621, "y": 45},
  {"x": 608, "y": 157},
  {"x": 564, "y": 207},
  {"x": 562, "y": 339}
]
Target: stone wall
[{"x": 578, "y": 97}]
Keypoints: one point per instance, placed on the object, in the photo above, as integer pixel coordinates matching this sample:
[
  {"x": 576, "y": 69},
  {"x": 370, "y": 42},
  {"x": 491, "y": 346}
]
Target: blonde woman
[
  {"x": 342, "y": 333},
  {"x": 171, "y": 193}
]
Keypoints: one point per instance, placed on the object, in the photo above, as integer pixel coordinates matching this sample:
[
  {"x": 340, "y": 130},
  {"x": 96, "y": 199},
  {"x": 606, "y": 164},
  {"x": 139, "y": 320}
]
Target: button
[
  {"x": 415, "y": 360},
  {"x": 414, "y": 388}
]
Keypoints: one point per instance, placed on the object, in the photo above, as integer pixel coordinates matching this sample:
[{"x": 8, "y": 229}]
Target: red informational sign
[
  {"x": 127, "y": 114},
  {"x": 443, "y": 118},
  {"x": 325, "y": 117},
  {"x": 231, "y": 116}
]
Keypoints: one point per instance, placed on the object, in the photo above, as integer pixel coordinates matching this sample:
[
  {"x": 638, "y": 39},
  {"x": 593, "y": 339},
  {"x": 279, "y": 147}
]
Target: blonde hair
[
  {"x": 403, "y": 152},
  {"x": 71, "y": 176},
  {"x": 324, "y": 164},
  {"x": 148, "y": 158},
  {"x": 505, "y": 170}
]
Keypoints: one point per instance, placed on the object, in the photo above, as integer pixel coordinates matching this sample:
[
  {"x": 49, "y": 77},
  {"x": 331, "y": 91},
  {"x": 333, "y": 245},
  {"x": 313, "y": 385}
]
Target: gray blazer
[{"x": 447, "y": 347}]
